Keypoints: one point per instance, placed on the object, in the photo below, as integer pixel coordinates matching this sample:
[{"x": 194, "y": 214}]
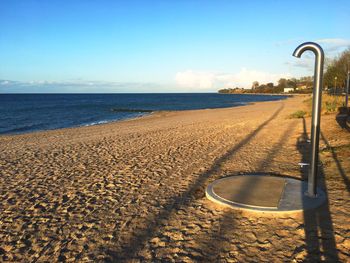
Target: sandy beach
[{"x": 135, "y": 190}]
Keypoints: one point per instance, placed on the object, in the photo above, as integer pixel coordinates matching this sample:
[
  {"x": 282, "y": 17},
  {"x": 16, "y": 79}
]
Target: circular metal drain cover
[{"x": 263, "y": 193}]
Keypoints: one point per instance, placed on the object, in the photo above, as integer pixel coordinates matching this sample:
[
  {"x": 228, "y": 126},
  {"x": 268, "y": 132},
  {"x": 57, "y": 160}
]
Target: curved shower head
[{"x": 311, "y": 46}]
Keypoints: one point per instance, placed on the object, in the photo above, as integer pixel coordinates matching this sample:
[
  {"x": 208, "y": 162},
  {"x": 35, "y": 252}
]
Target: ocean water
[{"x": 22, "y": 113}]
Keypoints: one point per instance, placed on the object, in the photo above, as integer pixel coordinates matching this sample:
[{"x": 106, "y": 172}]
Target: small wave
[
  {"x": 240, "y": 103},
  {"x": 130, "y": 110},
  {"x": 96, "y": 123}
]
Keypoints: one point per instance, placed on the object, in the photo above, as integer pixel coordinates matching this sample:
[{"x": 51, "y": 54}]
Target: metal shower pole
[{"x": 316, "y": 110}]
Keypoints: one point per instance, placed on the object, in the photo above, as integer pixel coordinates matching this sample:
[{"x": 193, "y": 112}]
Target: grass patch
[
  {"x": 330, "y": 104},
  {"x": 298, "y": 114},
  {"x": 335, "y": 148}
]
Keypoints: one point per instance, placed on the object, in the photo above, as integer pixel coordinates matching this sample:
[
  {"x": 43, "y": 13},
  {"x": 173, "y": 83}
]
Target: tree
[
  {"x": 304, "y": 82},
  {"x": 338, "y": 68},
  {"x": 269, "y": 85},
  {"x": 292, "y": 83},
  {"x": 282, "y": 83},
  {"x": 255, "y": 85}
]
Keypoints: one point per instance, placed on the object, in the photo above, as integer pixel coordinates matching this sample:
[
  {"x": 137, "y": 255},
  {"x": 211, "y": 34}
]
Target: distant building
[
  {"x": 303, "y": 85},
  {"x": 287, "y": 90}
]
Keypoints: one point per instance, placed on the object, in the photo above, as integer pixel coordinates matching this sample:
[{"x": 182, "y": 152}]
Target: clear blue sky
[{"x": 155, "y": 46}]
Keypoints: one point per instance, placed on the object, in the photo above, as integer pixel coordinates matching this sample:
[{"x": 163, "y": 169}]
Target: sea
[{"x": 24, "y": 113}]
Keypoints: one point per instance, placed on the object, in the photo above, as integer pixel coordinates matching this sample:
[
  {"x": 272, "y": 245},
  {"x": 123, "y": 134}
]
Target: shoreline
[
  {"x": 267, "y": 94},
  {"x": 142, "y": 115},
  {"x": 270, "y": 94}
]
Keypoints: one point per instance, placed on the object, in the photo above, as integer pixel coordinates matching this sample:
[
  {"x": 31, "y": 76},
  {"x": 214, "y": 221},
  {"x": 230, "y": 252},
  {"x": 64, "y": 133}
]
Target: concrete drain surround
[{"x": 263, "y": 193}]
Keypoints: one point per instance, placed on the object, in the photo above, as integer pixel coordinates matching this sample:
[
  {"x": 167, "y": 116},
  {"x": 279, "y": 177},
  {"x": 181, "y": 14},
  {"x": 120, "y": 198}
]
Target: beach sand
[{"x": 135, "y": 190}]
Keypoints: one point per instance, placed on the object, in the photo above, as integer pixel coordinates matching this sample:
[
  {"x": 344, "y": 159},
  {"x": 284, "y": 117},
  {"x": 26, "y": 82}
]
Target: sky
[{"x": 162, "y": 46}]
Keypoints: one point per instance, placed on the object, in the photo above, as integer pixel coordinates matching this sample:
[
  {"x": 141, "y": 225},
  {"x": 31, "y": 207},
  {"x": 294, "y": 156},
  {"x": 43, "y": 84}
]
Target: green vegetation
[
  {"x": 298, "y": 114},
  {"x": 330, "y": 104},
  {"x": 337, "y": 70},
  {"x": 336, "y": 148},
  {"x": 334, "y": 82},
  {"x": 302, "y": 85}
]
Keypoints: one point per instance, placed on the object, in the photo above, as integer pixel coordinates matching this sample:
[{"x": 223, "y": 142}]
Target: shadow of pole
[
  {"x": 318, "y": 226},
  {"x": 337, "y": 162},
  {"x": 227, "y": 220},
  {"x": 342, "y": 121},
  {"x": 181, "y": 200}
]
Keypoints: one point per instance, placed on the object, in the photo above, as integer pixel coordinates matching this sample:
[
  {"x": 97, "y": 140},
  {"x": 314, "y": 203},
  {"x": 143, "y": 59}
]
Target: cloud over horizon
[
  {"x": 331, "y": 46},
  {"x": 328, "y": 44},
  {"x": 74, "y": 86},
  {"x": 334, "y": 44},
  {"x": 210, "y": 80}
]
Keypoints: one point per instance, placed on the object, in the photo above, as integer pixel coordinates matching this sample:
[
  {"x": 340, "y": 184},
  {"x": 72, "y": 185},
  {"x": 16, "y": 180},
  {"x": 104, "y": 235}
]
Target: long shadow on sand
[
  {"x": 319, "y": 235},
  {"x": 318, "y": 226},
  {"x": 227, "y": 222},
  {"x": 337, "y": 162},
  {"x": 341, "y": 119},
  {"x": 181, "y": 200}
]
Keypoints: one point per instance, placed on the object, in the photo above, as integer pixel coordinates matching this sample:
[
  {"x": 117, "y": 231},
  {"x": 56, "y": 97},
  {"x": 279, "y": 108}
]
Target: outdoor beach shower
[
  {"x": 316, "y": 111},
  {"x": 263, "y": 192}
]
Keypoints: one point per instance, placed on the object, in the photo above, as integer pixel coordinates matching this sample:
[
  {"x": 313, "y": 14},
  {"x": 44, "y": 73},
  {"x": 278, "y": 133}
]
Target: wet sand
[{"x": 135, "y": 190}]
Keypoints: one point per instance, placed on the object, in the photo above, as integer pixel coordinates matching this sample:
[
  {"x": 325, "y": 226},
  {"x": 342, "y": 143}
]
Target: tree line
[
  {"x": 334, "y": 78},
  {"x": 303, "y": 85},
  {"x": 337, "y": 68}
]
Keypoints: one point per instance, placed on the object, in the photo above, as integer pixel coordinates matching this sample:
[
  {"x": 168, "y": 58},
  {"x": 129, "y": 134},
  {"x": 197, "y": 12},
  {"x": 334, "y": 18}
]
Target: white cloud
[
  {"x": 331, "y": 46},
  {"x": 9, "y": 86},
  {"x": 305, "y": 63},
  {"x": 202, "y": 80},
  {"x": 193, "y": 79},
  {"x": 334, "y": 44},
  {"x": 328, "y": 44},
  {"x": 4, "y": 82}
]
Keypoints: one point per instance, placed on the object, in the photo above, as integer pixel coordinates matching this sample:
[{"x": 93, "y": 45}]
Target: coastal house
[
  {"x": 287, "y": 90},
  {"x": 307, "y": 84},
  {"x": 302, "y": 86}
]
